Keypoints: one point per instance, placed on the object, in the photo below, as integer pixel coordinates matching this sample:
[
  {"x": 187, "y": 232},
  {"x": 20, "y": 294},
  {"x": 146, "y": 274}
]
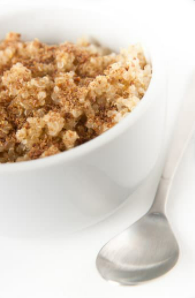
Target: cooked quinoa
[{"x": 56, "y": 97}]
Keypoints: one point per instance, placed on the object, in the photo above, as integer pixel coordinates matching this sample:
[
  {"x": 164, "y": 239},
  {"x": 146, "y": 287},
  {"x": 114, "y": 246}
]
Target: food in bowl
[{"x": 56, "y": 97}]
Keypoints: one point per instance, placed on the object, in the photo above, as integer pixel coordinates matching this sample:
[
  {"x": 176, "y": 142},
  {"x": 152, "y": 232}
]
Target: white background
[{"x": 58, "y": 268}]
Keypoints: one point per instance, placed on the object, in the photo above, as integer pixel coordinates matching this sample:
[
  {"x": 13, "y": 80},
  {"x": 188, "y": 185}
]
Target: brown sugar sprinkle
[{"x": 56, "y": 97}]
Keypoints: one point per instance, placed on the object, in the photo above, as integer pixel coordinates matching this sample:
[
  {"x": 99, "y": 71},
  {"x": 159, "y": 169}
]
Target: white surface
[{"x": 37, "y": 268}]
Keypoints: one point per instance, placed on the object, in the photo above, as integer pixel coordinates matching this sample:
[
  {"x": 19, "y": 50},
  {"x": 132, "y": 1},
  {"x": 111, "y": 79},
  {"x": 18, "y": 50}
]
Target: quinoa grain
[{"x": 56, "y": 97}]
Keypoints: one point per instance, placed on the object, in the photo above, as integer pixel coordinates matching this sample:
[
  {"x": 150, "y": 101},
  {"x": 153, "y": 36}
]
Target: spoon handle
[{"x": 184, "y": 128}]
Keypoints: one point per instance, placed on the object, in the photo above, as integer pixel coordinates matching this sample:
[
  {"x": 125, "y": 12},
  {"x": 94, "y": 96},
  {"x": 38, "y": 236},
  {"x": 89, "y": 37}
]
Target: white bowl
[{"x": 72, "y": 190}]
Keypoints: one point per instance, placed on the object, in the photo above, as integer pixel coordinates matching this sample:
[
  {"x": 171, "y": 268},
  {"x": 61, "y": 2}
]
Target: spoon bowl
[{"x": 144, "y": 251}]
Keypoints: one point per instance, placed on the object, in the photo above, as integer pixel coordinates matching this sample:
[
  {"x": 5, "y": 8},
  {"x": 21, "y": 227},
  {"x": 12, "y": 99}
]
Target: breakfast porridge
[{"x": 56, "y": 97}]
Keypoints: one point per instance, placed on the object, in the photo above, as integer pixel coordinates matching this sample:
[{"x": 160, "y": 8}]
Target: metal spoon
[{"x": 148, "y": 248}]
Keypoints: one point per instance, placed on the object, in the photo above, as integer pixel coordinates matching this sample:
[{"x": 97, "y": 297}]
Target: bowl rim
[{"x": 158, "y": 71}]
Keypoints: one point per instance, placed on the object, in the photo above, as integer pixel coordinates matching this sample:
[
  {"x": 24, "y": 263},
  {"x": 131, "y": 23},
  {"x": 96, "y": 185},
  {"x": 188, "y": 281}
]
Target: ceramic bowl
[{"x": 75, "y": 189}]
